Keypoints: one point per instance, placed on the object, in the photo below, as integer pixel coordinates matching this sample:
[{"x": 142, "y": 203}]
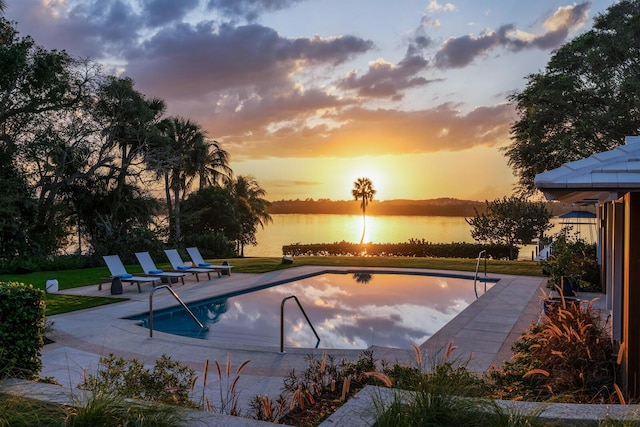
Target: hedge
[
  {"x": 412, "y": 248},
  {"x": 22, "y": 323}
]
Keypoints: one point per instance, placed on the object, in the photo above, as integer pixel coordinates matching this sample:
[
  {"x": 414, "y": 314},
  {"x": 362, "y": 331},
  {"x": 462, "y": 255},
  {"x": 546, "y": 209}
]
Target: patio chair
[
  {"x": 150, "y": 269},
  {"x": 116, "y": 268},
  {"x": 178, "y": 265},
  {"x": 198, "y": 261}
]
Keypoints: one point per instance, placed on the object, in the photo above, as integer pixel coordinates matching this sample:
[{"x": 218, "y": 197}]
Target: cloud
[
  {"x": 385, "y": 80},
  {"x": 434, "y": 6},
  {"x": 184, "y": 61},
  {"x": 378, "y": 132},
  {"x": 249, "y": 9},
  {"x": 97, "y": 29},
  {"x": 162, "y": 12},
  {"x": 458, "y": 52}
]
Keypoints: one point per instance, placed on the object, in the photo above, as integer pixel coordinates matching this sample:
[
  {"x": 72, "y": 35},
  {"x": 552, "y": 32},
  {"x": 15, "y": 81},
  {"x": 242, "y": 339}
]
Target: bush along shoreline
[{"x": 412, "y": 248}]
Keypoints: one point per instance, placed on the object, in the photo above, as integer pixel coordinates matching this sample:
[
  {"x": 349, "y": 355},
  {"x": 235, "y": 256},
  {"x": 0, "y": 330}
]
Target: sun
[{"x": 375, "y": 175}]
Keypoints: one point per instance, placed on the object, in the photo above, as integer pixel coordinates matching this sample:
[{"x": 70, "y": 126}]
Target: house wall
[{"x": 630, "y": 345}]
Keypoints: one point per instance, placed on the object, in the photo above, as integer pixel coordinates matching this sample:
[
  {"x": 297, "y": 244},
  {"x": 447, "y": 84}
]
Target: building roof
[{"x": 598, "y": 178}]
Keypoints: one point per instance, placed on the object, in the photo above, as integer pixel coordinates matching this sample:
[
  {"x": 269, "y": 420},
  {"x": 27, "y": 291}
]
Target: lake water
[{"x": 288, "y": 229}]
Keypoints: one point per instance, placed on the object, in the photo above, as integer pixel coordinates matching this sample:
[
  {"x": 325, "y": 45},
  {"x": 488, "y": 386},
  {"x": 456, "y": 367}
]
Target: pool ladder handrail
[
  {"x": 282, "y": 321},
  {"x": 475, "y": 278},
  {"x": 193, "y": 316}
]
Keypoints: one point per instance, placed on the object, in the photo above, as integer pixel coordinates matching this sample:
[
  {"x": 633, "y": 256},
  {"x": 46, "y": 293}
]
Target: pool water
[{"x": 350, "y": 311}]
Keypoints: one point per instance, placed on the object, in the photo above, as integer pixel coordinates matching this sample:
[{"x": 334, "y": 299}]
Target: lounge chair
[
  {"x": 178, "y": 265},
  {"x": 116, "y": 268},
  {"x": 198, "y": 261},
  {"x": 150, "y": 269}
]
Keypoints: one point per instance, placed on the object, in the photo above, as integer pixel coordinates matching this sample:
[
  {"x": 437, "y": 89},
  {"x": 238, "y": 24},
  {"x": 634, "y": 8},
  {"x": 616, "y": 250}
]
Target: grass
[
  {"x": 68, "y": 279},
  {"x": 99, "y": 409}
]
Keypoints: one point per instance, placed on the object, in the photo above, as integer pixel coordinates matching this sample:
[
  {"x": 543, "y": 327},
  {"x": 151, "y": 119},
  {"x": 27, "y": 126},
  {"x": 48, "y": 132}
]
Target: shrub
[
  {"x": 567, "y": 357},
  {"x": 104, "y": 408},
  {"x": 412, "y": 248},
  {"x": 319, "y": 390},
  {"x": 439, "y": 388},
  {"x": 573, "y": 257},
  {"x": 169, "y": 382},
  {"x": 21, "y": 329},
  {"x": 50, "y": 263},
  {"x": 18, "y": 411},
  {"x": 212, "y": 245}
]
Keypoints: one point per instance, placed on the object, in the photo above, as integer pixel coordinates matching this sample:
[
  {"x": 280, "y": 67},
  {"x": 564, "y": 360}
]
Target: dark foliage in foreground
[
  {"x": 566, "y": 357},
  {"x": 412, "y": 248}
]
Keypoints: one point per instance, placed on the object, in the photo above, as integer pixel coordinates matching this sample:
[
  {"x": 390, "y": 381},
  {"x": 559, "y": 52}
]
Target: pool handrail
[
  {"x": 282, "y": 321},
  {"x": 193, "y": 316},
  {"x": 475, "y": 278}
]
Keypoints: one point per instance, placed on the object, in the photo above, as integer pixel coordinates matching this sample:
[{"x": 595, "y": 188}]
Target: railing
[
  {"x": 193, "y": 316},
  {"x": 282, "y": 322},
  {"x": 475, "y": 278}
]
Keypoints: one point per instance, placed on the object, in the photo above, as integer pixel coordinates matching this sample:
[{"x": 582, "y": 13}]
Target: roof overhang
[{"x": 599, "y": 178}]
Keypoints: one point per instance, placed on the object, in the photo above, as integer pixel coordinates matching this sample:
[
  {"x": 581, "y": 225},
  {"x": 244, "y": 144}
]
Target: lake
[{"x": 288, "y": 229}]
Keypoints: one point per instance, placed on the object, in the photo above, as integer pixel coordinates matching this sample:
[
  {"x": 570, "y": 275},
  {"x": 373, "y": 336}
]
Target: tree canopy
[
  {"x": 585, "y": 101},
  {"x": 510, "y": 221},
  {"x": 80, "y": 157}
]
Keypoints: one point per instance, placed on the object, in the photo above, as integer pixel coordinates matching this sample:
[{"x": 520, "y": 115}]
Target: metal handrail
[
  {"x": 193, "y": 316},
  {"x": 282, "y": 322},
  {"x": 475, "y": 278}
]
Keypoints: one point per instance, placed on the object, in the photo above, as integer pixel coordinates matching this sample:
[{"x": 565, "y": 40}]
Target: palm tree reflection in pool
[{"x": 362, "y": 277}]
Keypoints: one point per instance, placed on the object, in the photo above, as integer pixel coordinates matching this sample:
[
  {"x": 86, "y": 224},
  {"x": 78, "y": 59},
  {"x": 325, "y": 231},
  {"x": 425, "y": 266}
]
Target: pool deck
[{"x": 482, "y": 333}]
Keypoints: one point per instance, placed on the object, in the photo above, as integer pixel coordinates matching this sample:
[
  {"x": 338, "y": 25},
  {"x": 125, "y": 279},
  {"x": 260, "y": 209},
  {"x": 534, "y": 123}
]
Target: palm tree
[
  {"x": 212, "y": 165},
  {"x": 363, "y": 190},
  {"x": 251, "y": 207},
  {"x": 175, "y": 157}
]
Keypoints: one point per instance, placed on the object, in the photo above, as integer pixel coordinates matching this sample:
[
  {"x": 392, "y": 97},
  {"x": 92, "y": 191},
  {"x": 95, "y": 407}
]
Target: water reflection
[
  {"x": 391, "y": 310},
  {"x": 362, "y": 277}
]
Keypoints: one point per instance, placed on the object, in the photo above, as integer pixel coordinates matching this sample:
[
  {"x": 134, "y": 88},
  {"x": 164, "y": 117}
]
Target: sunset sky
[{"x": 308, "y": 95}]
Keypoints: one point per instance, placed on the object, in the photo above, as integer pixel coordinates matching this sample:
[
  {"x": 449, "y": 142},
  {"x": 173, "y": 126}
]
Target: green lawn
[{"x": 59, "y": 303}]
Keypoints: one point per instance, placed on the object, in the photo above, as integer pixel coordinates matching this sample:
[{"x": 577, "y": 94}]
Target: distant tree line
[
  {"x": 431, "y": 207},
  {"x": 87, "y": 160},
  {"x": 435, "y": 207}
]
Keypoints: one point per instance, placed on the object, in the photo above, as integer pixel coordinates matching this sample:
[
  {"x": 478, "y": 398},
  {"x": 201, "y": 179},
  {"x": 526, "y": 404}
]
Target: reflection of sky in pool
[{"x": 347, "y": 310}]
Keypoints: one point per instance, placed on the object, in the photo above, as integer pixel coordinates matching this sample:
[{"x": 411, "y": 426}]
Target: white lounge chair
[
  {"x": 178, "y": 265},
  {"x": 198, "y": 261},
  {"x": 149, "y": 268},
  {"x": 116, "y": 268}
]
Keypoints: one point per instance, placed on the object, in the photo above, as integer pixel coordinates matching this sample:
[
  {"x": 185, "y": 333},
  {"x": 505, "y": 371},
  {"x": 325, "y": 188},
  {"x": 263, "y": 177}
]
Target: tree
[
  {"x": 121, "y": 209},
  {"x": 511, "y": 221},
  {"x": 43, "y": 95},
  {"x": 17, "y": 210},
  {"x": 363, "y": 190},
  {"x": 174, "y": 158},
  {"x": 251, "y": 208},
  {"x": 210, "y": 221},
  {"x": 178, "y": 156},
  {"x": 585, "y": 101},
  {"x": 212, "y": 165}
]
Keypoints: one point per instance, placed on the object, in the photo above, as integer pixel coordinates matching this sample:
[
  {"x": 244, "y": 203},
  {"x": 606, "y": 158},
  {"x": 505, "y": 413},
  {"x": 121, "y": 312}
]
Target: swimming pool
[{"x": 350, "y": 311}]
